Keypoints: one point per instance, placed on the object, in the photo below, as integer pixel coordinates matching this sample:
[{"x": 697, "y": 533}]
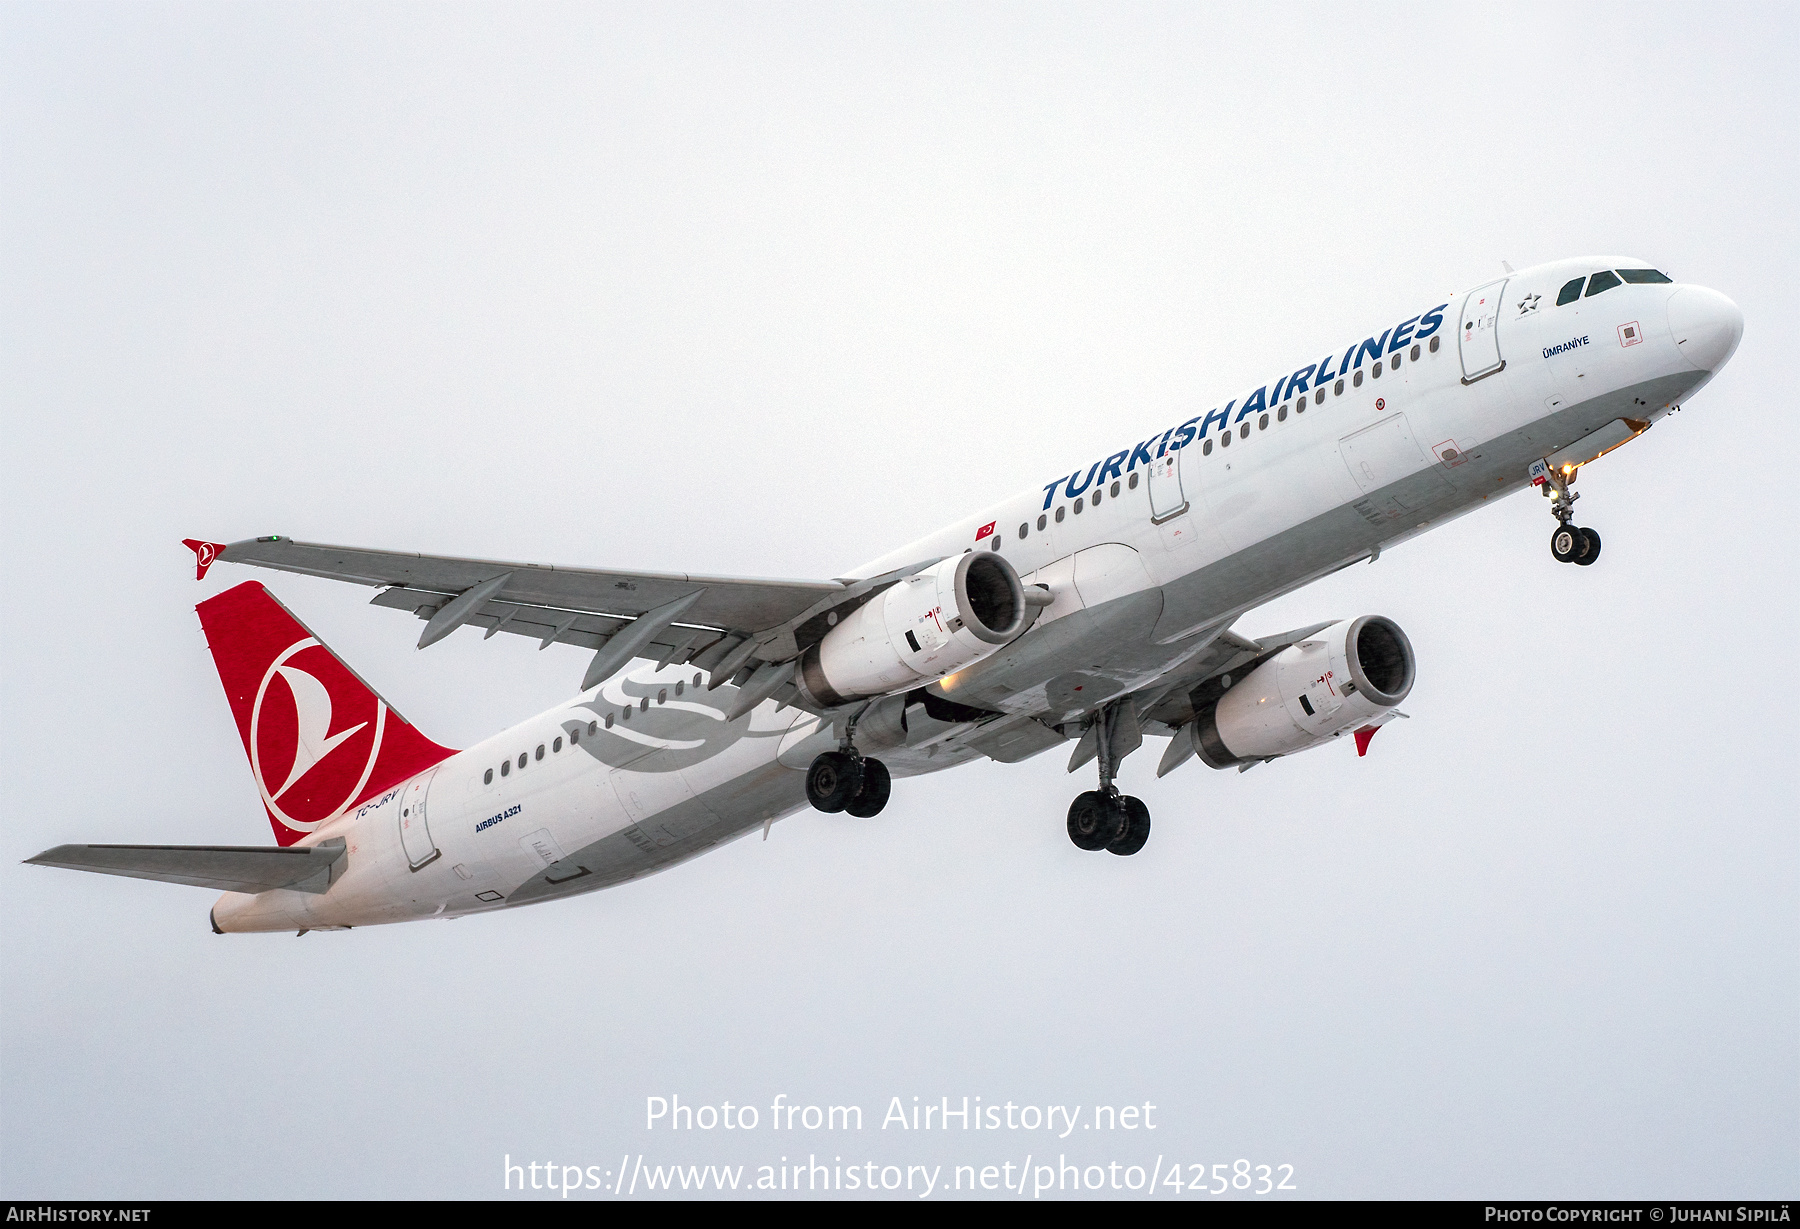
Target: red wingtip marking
[
  {"x": 205, "y": 553},
  {"x": 1362, "y": 738}
]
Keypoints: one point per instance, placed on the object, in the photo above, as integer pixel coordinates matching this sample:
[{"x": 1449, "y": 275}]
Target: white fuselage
[{"x": 1149, "y": 553}]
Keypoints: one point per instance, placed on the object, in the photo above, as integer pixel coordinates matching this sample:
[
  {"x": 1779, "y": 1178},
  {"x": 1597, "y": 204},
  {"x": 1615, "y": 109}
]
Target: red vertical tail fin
[{"x": 320, "y": 740}]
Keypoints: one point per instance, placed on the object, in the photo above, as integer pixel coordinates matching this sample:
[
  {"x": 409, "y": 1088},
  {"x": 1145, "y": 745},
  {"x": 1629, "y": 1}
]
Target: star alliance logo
[{"x": 1528, "y": 304}]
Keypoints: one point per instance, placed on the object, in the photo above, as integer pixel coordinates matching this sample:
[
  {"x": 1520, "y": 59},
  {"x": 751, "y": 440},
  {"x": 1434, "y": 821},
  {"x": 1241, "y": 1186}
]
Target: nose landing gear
[
  {"x": 1570, "y": 543},
  {"x": 842, "y": 780},
  {"x": 1105, "y": 818}
]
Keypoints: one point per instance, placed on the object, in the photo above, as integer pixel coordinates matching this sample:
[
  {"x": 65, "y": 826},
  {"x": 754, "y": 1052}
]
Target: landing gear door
[
  {"x": 1166, "y": 498},
  {"x": 415, "y": 834},
  {"x": 1480, "y": 336}
]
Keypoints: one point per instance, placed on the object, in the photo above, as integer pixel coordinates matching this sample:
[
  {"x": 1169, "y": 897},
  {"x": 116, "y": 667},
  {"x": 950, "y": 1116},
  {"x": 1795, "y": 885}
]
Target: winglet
[
  {"x": 205, "y": 553},
  {"x": 1362, "y": 739}
]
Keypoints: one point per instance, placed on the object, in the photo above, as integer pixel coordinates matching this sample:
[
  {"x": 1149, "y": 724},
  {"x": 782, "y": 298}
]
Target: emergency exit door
[{"x": 1167, "y": 501}]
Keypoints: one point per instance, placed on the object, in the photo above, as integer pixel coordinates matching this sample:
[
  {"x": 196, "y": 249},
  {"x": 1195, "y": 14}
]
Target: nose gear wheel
[
  {"x": 1567, "y": 544},
  {"x": 1593, "y": 548}
]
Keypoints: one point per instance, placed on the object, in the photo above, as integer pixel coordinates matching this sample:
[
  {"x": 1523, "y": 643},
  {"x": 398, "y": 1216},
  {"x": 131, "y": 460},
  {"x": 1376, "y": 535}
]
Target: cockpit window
[
  {"x": 1570, "y": 292},
  {"x": 1640, "y": 276},
  {"x": 1606, "y": 279}
]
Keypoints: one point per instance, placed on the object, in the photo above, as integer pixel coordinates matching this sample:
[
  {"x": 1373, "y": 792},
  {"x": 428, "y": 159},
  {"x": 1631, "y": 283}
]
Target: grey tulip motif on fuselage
[{"x": 679, "y": 728}]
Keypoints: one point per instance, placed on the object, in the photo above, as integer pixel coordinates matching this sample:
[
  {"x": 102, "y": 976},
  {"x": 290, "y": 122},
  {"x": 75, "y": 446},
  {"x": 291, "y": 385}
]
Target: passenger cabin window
[
  {"x": 594, "y": 726},
  {"x": 556, "y": 746},
  {"x": 609, "y": 721},
  {"x": 1096, "y": 499},
  {"x": 1606, "y": 279},
  {"x": 1262, "y": 423},
  {"x": 1023, "y": 530},
  {"x": 1637, "y": 277},
  {"x": 1079, "y": 505},
  {"x": 487, "y": 778},
  {"x": 522, "y": 759},
  {"x": 1244, "y": 432},
  {"x": 540, "y": 751},
  {"x": 1374, "y": 372},
  {"x": 1042, "y": 521},
  {"x": 1059, "y": 515},
  {"x": 1394, "y": 363},
  {"x": 1281, "y": 414},
  {"x": 575, "y": 737},
  {"x": 1114, "y": 490},
  {"x": 1225, "y": 440},
  {"x": 1434, "y": 344},
  {"x": 1337, "y": 390},
  {"x": 1415, "y": 354},
  {"x": 1357, "y": 380},
  {"x": 1133, "y": 482},
  {"x": 1206, "y": 449},
  {"x": 1570, "y": 292},
  {"x": 1319, "y": 394},
  {"x": 506, "y": 769}
]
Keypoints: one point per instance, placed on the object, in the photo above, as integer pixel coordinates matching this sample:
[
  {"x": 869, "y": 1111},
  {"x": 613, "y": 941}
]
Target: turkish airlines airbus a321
[{"x": 1092, "y": 610}]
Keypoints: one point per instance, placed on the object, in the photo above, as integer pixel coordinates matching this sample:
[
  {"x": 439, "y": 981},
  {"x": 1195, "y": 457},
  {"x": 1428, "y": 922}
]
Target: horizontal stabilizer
[{"x": 224, "y": 868}]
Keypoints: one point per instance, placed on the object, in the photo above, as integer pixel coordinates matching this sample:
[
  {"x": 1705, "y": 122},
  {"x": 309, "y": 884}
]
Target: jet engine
[
  {"x": 918, "y": 630},
  {"x": 1349, "y": 676}
]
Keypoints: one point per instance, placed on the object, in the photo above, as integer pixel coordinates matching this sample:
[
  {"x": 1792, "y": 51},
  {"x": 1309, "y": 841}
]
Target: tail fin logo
[{"x": 306, "y": 772}]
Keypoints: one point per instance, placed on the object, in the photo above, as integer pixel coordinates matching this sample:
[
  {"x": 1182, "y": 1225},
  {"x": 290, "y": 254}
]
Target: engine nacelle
[
  {"x": 918, "y": 630},
  {"x": 1351, "y": 675}
]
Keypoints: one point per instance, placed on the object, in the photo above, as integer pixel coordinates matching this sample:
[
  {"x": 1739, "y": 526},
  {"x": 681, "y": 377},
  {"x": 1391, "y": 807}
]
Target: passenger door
[
  {"x": 415, "y": 833},
  {"x": 1479, "y": 342}
]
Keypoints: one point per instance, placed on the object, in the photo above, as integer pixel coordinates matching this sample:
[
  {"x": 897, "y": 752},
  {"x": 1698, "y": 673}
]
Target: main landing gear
[
  {"x": 1105, "y": 818},
  {"x": 1570, "y": 543},
  {"x": 842, "y": 780}
]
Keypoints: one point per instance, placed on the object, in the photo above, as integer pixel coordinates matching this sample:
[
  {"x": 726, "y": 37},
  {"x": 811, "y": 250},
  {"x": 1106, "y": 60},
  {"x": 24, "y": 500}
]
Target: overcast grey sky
[{"x": 769, "y": 290}]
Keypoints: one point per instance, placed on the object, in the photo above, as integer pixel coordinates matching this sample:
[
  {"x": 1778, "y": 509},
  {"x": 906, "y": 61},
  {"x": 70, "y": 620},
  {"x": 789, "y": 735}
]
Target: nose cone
[{"x": 1706, "y": 325}]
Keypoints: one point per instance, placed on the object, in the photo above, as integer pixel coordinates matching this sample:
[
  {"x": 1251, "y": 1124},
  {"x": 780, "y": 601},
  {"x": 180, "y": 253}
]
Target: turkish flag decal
[{"x": 985, "y": 530}]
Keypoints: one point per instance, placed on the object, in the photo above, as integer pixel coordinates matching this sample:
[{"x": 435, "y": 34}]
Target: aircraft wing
[
  {"x": 711, "y": 621},
  {"x": 224, "y": 868}
]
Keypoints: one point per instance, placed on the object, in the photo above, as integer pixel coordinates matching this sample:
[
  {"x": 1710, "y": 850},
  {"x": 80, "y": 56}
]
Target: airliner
[{"x": 1094, "y": 609}]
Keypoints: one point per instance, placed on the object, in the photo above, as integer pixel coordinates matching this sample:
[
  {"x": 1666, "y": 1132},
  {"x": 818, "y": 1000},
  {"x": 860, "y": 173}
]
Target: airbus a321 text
[{"x": 1091, "y": 610}]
